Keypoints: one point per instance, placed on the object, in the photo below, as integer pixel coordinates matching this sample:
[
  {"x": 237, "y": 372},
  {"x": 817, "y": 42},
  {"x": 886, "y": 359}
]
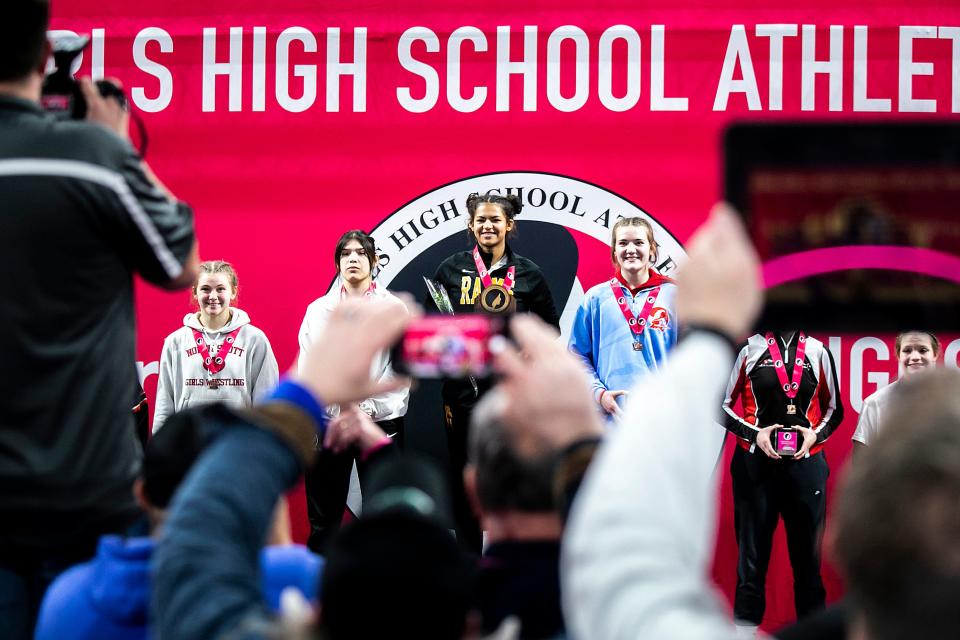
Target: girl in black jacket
[{"x": 488, "y": 278}]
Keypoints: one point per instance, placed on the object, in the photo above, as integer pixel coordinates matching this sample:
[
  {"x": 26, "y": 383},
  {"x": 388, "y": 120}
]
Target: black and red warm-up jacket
[{"x": 754, "y": 382}]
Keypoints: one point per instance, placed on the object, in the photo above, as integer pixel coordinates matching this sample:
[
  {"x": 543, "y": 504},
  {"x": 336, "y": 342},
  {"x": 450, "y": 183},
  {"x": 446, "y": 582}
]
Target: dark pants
[
  {"x": 25, "y": 574},
  {"x": 327, "y": 484},
  {"x": 765, "y": 490},
  {"x": 22, "y": 585},
  {"x": 457, "y": 421}
]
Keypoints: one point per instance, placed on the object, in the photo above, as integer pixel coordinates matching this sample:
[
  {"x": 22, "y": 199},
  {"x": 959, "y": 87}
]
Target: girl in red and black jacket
[{"x": 782, "y": 379}]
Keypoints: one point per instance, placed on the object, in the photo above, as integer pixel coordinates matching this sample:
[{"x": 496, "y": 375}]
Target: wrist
[{"x": 295, "y": 392}]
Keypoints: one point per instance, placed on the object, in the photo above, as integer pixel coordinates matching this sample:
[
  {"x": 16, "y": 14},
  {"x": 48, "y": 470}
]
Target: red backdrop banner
[{"x": 287, "y": 123}]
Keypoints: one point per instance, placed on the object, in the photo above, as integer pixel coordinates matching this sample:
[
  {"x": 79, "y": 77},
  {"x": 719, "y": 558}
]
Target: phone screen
[
  {"x": 446, "y": 346},
  {"x": 857, "y": 226}
]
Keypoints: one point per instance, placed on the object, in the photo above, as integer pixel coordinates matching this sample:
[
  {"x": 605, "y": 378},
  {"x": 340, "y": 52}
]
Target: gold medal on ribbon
[{"x": 496, "y": 299}]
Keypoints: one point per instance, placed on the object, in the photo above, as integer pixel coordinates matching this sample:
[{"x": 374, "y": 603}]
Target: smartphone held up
[
  {"x": 857, "y": 225},
  {"x": 448, "y": 346}
]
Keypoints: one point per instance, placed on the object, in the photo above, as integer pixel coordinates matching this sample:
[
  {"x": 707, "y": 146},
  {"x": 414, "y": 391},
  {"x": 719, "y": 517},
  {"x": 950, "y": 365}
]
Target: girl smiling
[
  {"x": 489, "y": 278},
  {"x": 625, "y": 326},
  {"x": 217, "y": 355}
]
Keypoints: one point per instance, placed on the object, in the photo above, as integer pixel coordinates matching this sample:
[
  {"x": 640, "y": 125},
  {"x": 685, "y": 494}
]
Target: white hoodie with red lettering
[{"x": 249, "y": 372}]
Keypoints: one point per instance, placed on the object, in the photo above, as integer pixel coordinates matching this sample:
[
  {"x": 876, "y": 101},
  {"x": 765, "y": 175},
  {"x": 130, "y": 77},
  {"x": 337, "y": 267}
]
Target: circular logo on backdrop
[{"x": 564, "y": 227}]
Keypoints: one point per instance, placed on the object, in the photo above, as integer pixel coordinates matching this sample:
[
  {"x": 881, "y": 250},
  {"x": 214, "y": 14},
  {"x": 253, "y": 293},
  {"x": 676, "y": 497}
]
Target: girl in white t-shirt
[{"x": 916, "y": 351}]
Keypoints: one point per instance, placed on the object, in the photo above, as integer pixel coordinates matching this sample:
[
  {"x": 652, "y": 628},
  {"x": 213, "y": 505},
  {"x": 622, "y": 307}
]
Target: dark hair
[
  {"x": 366, "y": 241},
  {"x": 409, "y": 565},
  {"x": 898, "y": 516},
  {"x": 510, "y": 204},
  {"x": 169, "y": 455},
  {"x": 410, "y": 481},
  {"x": 506, "y": 479},
  {"x": 23, "y": 38}
]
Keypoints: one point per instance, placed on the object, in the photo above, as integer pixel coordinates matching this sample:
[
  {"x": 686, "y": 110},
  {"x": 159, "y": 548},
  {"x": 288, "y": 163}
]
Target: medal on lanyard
[
  {"x": 495, "y": 298},
  {"x": 792, "y": 386},
  {"x": 214, "y": 364},
  {"x": 637, "y": 323}
]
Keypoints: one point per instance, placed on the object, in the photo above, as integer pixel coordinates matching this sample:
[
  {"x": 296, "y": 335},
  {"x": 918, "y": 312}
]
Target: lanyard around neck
[
  {"x": 790, "y": 387},
  {"x": 216, "y": 362},
  {"x": 636, "y": 323},
  {"x": 508, "y": 280}
]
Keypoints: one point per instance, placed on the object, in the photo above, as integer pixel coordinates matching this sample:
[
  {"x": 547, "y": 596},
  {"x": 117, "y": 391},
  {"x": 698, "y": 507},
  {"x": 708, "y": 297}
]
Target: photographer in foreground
[{"x": 80, "y": 213}]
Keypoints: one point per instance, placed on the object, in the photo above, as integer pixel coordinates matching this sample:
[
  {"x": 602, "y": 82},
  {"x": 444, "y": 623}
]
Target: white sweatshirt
[
  {"x": 382, "y": 407},
  {"x": 249, "y": 372}
]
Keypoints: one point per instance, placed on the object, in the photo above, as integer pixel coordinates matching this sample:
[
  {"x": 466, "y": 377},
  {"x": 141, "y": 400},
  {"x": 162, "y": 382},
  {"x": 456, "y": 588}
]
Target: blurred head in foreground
[
  {"x": 397, "y": 572},
  {"x": 897, "y": 536}
]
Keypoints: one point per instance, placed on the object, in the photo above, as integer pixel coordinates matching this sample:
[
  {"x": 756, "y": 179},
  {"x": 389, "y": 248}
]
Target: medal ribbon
[
  {"x": 215, "y": 364},
  {"x": 789, "y": 387},
  {"x": 508, "y": 280},
  {"x": 366, "y": 294},
  {"x": 638, "y": 323}
]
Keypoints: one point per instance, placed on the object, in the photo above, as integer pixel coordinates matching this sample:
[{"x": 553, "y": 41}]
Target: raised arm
[
  {"x": 205, "y": 569},
  {"x": 638, "y": 547},
  {"x": 640, "y": 537},
  {"x": 160, "y": 229}
]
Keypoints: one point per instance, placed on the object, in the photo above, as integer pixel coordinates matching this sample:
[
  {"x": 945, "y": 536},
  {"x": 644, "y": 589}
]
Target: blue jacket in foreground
[
  {"x": 205, "y": 570},
  {"x": 108, "y": 598}
]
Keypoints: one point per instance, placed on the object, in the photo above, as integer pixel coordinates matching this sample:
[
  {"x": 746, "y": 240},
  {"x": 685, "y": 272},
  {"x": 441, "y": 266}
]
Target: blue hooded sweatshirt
[{"x": 108, "y": 598}]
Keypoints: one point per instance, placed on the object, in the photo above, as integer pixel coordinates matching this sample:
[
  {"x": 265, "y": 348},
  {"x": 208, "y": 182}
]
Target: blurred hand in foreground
[
  {"x": 548, "y": 402},
  {"x": 337, "y": 367},
  {"x": 719, "y": 284},
  {"x": 352, "y": 428}
]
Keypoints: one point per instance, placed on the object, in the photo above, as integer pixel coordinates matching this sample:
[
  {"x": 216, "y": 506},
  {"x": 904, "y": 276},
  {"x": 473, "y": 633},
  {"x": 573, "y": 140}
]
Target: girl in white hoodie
[{"x": 217, "y": 355}]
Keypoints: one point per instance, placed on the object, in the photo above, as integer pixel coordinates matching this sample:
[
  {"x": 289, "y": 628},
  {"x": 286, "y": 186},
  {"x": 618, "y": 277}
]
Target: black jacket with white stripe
[
  {"x": 755, "y": 385},
  {"x": 78, "y": 218}
]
